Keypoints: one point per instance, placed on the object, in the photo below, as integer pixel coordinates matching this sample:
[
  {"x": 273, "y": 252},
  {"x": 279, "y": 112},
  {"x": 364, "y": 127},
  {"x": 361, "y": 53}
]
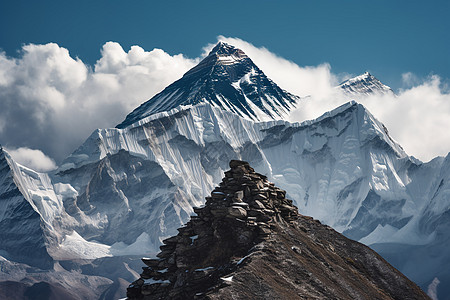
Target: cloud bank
[
  {"x": 34, "y": 159},
  {"x": 52, "y": 101}
]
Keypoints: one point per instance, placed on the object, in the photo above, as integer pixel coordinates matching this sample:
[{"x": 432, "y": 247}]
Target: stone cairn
[{"x": 238, "y": 215}]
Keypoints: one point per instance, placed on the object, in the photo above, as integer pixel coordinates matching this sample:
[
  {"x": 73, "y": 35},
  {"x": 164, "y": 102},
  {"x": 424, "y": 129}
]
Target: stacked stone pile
[{"x": 238, "y": 215}]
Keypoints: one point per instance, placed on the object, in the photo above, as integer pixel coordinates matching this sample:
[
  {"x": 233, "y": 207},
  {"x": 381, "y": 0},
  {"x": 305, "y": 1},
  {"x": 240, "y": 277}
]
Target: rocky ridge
[
  {"x": 249, "y": 241},
  {"x": 237, "y": 216}
]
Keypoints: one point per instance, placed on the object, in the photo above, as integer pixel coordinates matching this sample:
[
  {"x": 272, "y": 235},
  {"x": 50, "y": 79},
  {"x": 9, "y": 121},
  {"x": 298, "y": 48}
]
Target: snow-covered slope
[
  {"x": 28, "y": 208},
  {"x": 365, "y": 84},
  {"x": 226, "y": 78},
  {"x": 344, "y": 162},
  {"x": 342, "y": 168}
]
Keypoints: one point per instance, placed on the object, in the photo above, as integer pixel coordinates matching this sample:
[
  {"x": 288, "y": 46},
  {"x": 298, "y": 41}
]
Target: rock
[
  {"x": 237, "y": 163},
  {"x": 238, "y": 196},
  {"x": 171, "y": 240},
  {"x": 195, "y": 262},
  {"x": 254, "y": 212},
  {"x": 241, "y": 204},
  {"x": 263, "y": 218},
  {"x": 151, "y": 262},
  {"x": 237, "y": 211},
  {"x": 257, "y": 204},
  {"x": 226, "y": 227},
  {"x": 260, "y": 197}
]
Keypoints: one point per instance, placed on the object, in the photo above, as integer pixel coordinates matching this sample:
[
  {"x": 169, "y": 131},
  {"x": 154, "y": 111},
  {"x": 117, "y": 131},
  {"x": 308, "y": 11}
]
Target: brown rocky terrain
[{"x": 250, "y": 242}]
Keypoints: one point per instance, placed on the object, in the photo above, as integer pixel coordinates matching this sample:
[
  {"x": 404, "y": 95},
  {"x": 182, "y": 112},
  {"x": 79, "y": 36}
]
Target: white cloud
[
  {"x": 33, "y": 159},
  {"x": 52, "y": 101},
  {"x": 418, "y": 118}
]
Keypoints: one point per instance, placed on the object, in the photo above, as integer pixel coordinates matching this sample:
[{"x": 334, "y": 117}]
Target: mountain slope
[
  {"x": 344, "y": 161},
  {"x": 26, "y": 214},
  {"x": 226, "y": 78},
  {"x": 248, "y": 242},
  {"x": 342, "y": 168}
]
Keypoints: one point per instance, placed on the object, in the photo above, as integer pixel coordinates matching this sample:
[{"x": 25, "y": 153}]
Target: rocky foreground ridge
[{"x": 250, "y": 242}]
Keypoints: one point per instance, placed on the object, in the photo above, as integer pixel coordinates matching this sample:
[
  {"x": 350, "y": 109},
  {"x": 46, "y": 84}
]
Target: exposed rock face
[
  {"x": 249, "y": 242},
  {"x": 226, "y": 78}
]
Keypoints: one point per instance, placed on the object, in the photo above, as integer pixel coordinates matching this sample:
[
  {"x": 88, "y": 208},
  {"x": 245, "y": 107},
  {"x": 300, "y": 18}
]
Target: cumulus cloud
[
  {"x": 33, "y": 159},
  {"x": 418, "y": 118},
  {"x": 52, "y": 101}
]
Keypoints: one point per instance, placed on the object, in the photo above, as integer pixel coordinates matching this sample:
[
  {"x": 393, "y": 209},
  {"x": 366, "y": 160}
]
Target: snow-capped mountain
[
  {"x": 360, "y": 173},
  {"x": 125, "y": 189},
  {"x": 226, "y": 78},
  {"x": 365, "y": 84},
  {"x": 342, "y": 168}
]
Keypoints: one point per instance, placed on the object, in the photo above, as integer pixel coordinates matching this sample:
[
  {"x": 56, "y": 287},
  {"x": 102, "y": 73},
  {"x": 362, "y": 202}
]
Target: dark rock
[
  {"x": 236, "y": 163},
  {"x": 237, "y": 211},
  {"x": 238, "y": 196}
]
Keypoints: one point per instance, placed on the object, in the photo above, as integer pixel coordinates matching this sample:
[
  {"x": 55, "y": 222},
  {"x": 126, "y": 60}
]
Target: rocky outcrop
[{"x": 250, "y": 242}]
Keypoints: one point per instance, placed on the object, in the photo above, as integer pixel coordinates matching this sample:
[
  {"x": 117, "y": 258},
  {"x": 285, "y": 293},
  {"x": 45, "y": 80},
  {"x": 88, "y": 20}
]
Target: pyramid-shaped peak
[
  {"x": 365, "y": 84},
  {"x": 226, "y": 78},
  {"x": 225, "y": 54}
]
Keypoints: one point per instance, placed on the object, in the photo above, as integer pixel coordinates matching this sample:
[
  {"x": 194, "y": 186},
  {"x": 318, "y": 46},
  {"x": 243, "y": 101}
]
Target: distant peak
[{"x": 365, "y": 84}]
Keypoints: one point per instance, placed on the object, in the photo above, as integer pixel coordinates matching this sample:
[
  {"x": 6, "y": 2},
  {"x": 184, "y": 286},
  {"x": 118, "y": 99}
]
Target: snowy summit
[
  {"x": 226, "y": 78},
  {"x": 365, "y": 84}
]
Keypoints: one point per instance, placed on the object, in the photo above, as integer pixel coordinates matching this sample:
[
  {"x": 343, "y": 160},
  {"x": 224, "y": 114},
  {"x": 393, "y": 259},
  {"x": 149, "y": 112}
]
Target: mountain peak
[
  {"x": 224, "y": 48},
  {"x": 365, "y": 84},
  {"x": 226, "y": 78},
  {"x": 225, "y": 53}
]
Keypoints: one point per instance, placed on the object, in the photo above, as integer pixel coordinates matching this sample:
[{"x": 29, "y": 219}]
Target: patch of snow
[
  {"x": 228, "y": 279},
  {"x": 75, "y": 246},
  {"x": 242, "y": 259},
  {"x": 152, "y": 281},
  {"x": 142, "y": 245},
  {"x": 204, "y": 269}
]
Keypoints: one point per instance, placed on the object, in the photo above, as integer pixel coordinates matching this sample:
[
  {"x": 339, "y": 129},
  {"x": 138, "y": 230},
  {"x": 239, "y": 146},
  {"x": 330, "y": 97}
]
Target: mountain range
[{"x": 126, "y": 189}]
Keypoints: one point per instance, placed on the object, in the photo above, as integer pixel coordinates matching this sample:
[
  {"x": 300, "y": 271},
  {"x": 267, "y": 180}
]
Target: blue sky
[{"x": 387, "y": 38}]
